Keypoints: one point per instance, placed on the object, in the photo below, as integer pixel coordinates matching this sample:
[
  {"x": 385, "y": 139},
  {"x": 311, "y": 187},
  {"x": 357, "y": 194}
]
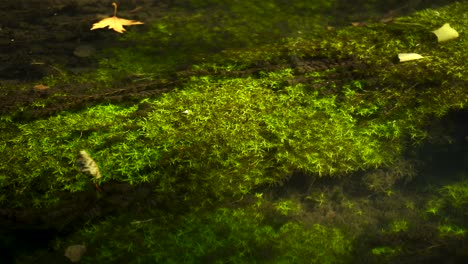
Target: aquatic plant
[{"x": 235, "y": 235}]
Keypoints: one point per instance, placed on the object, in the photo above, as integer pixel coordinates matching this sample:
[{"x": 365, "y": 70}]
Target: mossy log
[{"x": 218, "y": 124}]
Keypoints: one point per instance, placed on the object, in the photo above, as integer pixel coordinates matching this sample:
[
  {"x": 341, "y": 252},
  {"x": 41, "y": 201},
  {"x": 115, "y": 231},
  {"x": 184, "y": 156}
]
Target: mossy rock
[
  {"x": 205, "y": 129},
  {"x": 250, "y": 116}
]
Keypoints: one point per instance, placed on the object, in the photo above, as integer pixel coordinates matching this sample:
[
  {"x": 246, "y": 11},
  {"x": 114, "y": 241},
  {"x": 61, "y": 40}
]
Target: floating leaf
[
  {"x": 445, "y": 33},
  {"x": 115, "y": 22},
  {"x": 409, "y": 56}
]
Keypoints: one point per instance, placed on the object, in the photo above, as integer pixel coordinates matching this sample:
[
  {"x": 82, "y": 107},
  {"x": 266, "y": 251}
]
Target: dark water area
[
  {"x": 177, "y": 191},
  {"x": 36, "y": 35},
  {"x": 446, "y": 155}
]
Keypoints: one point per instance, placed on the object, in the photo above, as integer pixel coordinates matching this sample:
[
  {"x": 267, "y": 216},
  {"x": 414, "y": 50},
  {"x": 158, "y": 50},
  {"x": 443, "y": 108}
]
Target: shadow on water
[
  {"x": 23, "y": 242},
  {"x": 445, "y": 155}
]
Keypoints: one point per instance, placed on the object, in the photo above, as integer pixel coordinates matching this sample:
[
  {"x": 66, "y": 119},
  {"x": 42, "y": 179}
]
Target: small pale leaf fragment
[
  {"x": 75, "y": 252},
  {"x": 87, "y": 165},
  {"x": 409, "y": 56},
  {"x": 446, "y": 32}
]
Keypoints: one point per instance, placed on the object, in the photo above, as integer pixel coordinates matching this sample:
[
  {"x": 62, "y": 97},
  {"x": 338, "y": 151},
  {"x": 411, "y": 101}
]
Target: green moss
[
  {"x": 219, "y": 136},
  {"x": 456, "y": 195},
  {"x": 226, "y": 135},
  {"x": 385, "y": 251},
  {"x": 235, "y": 235},
  {"x": 398, "y": 226},
  {"x": 252, "y": 106},
  {"x": 288, "y": 207},
  {"x": 452, "y": 230},
  {"x": 451, "y": 200},
  {"x": 433, "y": 207},
  {"x": 41, "y": 155},
  {"x": 247, "y": 115},
  {"x": 449, "y": 210}
]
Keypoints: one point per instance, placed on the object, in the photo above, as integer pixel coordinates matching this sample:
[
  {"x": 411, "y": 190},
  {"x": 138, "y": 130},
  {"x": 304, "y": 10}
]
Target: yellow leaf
[
  {"x": 409, "y": 56},
  {"x": 88, "y": 165},
  {"x": 115, "y": 22},
  {"x": 446, "y": 32}
]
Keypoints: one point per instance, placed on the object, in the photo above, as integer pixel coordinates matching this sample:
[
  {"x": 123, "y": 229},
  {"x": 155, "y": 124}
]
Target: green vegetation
[
  {"x": 456, "y": 195},
  {"x": 225, "y": 235},
  {"x": 288, "y": 207},
  {"x": 451, "y": 230},
  {"x": 452, "y": 199},
  {"x": 246, "y": 110},
  {"x": 450, "y": 209},
  {"x": 442, "y": 221},
  {"x": 384, "y": 251},
  {"x": 398, "y": 226}
]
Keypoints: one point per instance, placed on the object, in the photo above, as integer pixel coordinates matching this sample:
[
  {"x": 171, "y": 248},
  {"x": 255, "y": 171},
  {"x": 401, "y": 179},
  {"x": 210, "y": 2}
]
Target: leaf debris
[
  {"x": 115, "y": 22},
  {"x": 446, "y": 32},
  {"x": 88, "y": 165},
  {"x": 409, "y": 56}
]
